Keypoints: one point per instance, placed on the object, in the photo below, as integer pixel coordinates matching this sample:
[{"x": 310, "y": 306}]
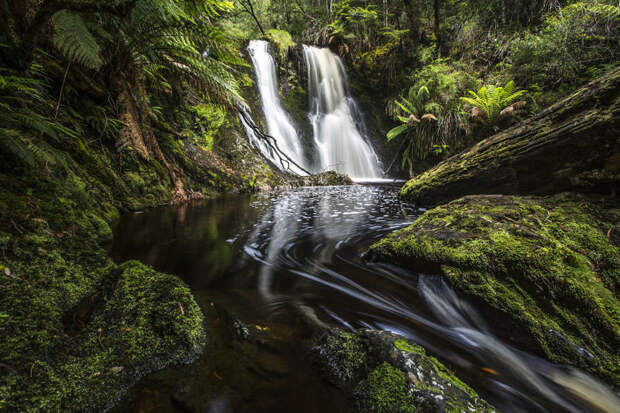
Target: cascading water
[
  {"x": 279, "y": 124},
  {"x": 339, "y": 141}
]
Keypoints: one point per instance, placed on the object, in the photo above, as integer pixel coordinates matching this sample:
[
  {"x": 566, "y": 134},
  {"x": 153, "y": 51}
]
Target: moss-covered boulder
[
  {"x": 63, "y": 354},
  {"x": 384, "y": 372},
  {"x": 572, "y": 145},
  {"x": 545, "y": 270}
]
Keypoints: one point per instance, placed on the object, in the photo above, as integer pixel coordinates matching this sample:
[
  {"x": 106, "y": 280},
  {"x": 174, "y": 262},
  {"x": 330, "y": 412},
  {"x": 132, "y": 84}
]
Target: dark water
[{"x": 268, "y": 269}]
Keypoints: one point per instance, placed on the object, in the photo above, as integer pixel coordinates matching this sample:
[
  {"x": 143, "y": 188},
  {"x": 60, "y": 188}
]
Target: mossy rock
[
  {"x": 329, "y": 178},
  {"x": 282, "y": 40},
  {"x": 545, "y": 270},
  {"x": 384, "y": 372},
  {"x": 141, "y": 321}
]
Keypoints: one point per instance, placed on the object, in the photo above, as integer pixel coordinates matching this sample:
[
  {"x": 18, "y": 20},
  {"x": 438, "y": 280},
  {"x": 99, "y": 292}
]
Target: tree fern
[
  {"x": 424, "y": 124},
  {"x": 173, "y": 36},
  {"x": 491, "y": 100},
  {"x": 74, "y": 40}
]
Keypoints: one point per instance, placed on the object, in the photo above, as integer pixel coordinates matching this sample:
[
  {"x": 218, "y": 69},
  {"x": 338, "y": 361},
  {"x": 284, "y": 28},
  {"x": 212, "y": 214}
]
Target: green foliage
[
  {"x": 101, "y": 120},
  {"x": 74, "y": 40},
  {"x": 387, "y": 390},
  {"x": 178, "y": 39},
  {"x": 210, "y": 118},
  {"x": 491, "y": 100},
  {"x": 355, "y": 24},
  {"x": 161, "y": 39},
  {"x": 430, "y": 116},
  {"x": 282, "y": 40},
  {"x": 571, "y": 46},
  {"x": 21, "y": 100},
  {"x": 345, "y": 14}
]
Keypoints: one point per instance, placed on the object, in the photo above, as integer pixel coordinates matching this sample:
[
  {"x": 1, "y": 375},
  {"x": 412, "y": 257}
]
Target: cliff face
[{"x": 573, "y": 145}]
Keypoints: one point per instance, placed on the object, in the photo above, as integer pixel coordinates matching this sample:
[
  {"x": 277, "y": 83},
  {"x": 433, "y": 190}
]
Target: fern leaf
[
  {"x": 471, "y": 101},
  {"x": 74, "y": 40},
  {"x": 394, "y": 132},
  {"x": 408, "y": 109}
]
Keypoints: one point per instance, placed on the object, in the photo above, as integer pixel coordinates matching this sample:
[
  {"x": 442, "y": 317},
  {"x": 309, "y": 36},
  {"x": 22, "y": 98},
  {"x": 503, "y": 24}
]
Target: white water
[
  {"x": 279, "y": 124},
  {"x": 337, "y": 135}
]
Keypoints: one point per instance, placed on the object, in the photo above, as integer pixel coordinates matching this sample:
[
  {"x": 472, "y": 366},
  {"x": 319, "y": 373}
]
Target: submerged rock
[
  {"x": 544, "y": 270},
  {"x": 387, "y": 373}
]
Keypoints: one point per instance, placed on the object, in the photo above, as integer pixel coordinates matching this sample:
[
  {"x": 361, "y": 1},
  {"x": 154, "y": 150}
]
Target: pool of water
[{"x": 271, "y": 270}]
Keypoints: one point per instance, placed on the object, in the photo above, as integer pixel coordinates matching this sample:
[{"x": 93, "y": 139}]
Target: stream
[{"x": 270, "y": 269}]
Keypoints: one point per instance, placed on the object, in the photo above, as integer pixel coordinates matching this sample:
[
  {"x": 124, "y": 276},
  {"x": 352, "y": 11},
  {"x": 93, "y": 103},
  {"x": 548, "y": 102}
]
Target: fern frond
[
  {"x": 395, "y": 132},
  {"x": 409, "y": 109},
  {"x": 74, "y": 40},
  {"x": 30, "y": 151},
  {"x": 11, "y": 142}
]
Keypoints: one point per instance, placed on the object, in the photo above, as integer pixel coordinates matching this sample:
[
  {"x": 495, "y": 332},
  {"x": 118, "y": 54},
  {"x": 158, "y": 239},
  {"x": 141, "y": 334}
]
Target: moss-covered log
[
  {"x": 572, "y": 145},
  {"x": 545, "y": 270}
]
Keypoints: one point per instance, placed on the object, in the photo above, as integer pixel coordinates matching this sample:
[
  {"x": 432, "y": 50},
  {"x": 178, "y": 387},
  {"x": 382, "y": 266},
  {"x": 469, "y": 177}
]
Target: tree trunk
[
  {"x": 573, "y": 145},
  {"x": 437, "y": 22},
  {"x": 138, "y": 134},
  {"x": 412, "y": 15}
]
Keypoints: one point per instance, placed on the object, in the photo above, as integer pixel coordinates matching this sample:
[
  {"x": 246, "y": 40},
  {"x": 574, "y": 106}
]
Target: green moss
[
  {"x": 345, "y": 355},
  {"x": 295, "y": 100},
  {"x": 404, "y": 345},
  {"x": 374, "y": 64},
  {"x": 432, "y": 366},
  {"x": 282, "y": 40},
  {"x": 78, "y": 330},
  {"x": 132, "y": 321},
  {"x": 134, "y": 181},
  {"x": 386, "y": 391},
  {"x": 547, "y": 266},
  {"x": 387, "y": 373},
  {"x": 211, "y": 118}
]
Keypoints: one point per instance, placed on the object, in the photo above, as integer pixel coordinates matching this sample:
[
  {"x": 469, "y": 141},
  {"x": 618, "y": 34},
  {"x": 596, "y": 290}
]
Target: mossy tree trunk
[
  {"x": 137, "y": 132},
  {"x": 572, "y": 145}
]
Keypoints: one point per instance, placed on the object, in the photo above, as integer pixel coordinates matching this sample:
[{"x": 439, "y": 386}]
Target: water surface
[{"x": 269, "y": 270}]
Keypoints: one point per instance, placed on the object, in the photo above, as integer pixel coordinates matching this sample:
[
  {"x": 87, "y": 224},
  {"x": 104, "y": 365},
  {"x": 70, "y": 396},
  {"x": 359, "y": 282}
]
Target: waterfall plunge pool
[{"x": 265, "y": 268}]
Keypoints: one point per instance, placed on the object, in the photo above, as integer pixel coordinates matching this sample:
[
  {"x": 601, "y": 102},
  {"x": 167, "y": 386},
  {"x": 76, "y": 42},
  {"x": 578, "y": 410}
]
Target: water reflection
[{"x": 281, "y": 257}]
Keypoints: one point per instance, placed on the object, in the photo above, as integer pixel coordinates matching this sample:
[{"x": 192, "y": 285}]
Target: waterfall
[
  {"x": 336, "y": 122},
  {"x": 279, "y": 124}
]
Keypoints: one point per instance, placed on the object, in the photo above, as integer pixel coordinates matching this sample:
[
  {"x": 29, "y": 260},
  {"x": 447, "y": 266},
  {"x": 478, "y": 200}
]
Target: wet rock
[
  {"x": 328, "y": 178},
  {"x": 384, "y": 372},
  {"x": 544, "y": 271}
]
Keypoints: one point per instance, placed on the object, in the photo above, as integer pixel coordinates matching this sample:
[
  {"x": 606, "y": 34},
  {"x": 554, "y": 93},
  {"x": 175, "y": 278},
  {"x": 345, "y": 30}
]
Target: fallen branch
[{"x": 285, "y": 160}]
